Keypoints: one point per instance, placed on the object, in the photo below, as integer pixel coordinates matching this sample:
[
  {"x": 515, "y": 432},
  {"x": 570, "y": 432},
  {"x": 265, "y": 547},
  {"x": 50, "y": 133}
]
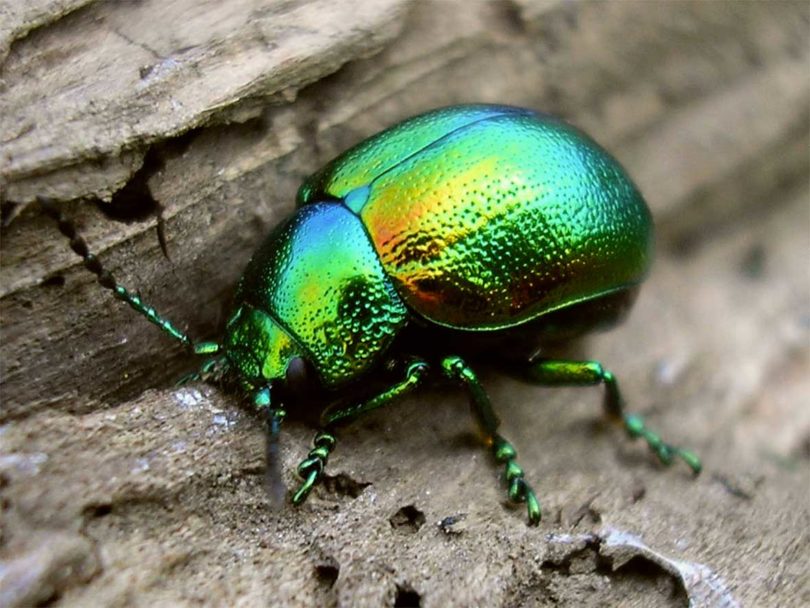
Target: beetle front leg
[
  {"x": 519, "y": 490},
  {"x": 211, "y": 371},
  {"x": 312, "y": 467},
  {"x": 559, "y": 372}
]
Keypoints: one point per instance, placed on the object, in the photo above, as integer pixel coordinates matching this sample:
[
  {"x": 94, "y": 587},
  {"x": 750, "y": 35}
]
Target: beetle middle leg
[
  {"x": 519, "y": 490},
  {"x": 561, "y": 372},
  {"x": 312, "y": 467}
]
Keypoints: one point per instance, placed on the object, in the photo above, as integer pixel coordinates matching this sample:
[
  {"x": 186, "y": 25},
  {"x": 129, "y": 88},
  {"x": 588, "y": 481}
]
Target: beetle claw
[
  {"x": 533, "y": 507},
  {"x": 691, "y": 459},
  {"x": 306, "y": 487},
  {"x": 635, "y": 427}
]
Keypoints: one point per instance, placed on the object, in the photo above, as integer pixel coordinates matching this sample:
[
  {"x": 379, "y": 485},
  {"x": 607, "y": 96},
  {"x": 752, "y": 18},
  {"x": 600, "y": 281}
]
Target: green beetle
[{"x": 466, "y": 229}]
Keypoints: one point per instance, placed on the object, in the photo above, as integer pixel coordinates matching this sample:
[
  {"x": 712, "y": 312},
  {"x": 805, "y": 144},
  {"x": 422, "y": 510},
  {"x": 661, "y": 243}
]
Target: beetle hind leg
[
  {"x": 518, "y": 489},
  {"x": 559, "y": 372}
]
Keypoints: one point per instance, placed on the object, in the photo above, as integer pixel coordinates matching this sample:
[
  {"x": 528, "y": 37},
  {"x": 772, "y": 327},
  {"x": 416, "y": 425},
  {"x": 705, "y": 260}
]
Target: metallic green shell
[
  {"x": 360, "y": 165},
  {"x": 318, "y": 277},
  {"x": 486, "y": 217}
]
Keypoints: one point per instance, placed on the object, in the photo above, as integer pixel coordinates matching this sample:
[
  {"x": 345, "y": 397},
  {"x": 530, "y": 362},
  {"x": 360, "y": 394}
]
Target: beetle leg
[
  {"x": 519, "y": 490},
  {"x": 211, "y": 370},
  {"x": 415, "y": 374},
  {"x": 312, "y": 467},
  {"x": 556, "y": 372}
]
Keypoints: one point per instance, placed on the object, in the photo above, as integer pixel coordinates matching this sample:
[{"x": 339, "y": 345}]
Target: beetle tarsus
[
  {"x": 560, "y": 372},
  {"x": 312, "y": 467},
  {"x": 635, "y": 427},
  {"x": 519, "y": 489}
]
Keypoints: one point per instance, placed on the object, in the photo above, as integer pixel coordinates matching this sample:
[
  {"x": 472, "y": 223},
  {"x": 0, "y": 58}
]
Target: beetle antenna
[
  {"x": 106, "y": 280},
  {"x": 273, "y": 482}
]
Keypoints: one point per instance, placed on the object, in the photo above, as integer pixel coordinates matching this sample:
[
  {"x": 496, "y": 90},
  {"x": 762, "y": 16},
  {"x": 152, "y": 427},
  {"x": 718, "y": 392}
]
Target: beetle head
[{"x": 258, "y": 348}]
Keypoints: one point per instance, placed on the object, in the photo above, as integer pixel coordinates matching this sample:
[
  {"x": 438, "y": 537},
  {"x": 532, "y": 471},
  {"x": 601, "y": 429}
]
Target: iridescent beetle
[{"x": 466, "y": 228}]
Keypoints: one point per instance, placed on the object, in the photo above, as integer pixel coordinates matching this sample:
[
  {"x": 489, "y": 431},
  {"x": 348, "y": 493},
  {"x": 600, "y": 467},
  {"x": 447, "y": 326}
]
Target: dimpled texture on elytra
[{"x": 490, "y": 216}]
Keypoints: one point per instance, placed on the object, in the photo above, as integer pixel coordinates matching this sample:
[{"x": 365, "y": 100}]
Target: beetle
[{"x": 469, "y": 228}]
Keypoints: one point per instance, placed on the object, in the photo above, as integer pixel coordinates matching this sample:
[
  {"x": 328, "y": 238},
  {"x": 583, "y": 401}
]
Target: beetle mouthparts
[{"x": 276, "y": 489}]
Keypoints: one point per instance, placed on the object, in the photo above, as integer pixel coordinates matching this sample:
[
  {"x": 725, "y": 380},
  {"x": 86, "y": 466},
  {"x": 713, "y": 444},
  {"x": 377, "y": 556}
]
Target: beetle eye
[{"x": 297, "y": 375}]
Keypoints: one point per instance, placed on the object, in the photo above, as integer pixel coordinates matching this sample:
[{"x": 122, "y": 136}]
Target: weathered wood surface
[{"x": 118, "y": 489}]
